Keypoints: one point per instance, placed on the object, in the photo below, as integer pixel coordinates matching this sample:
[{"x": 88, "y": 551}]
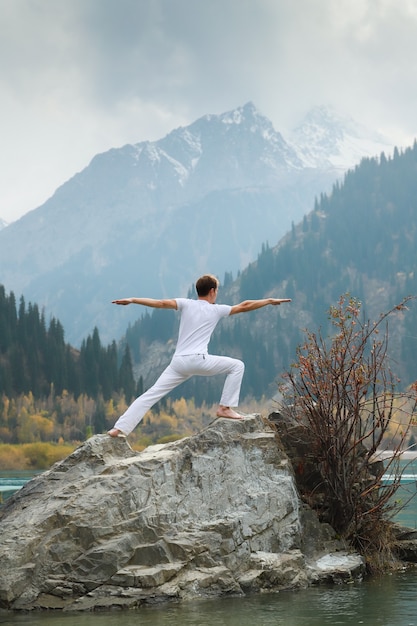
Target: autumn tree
[{"x": 342, "y": 399}]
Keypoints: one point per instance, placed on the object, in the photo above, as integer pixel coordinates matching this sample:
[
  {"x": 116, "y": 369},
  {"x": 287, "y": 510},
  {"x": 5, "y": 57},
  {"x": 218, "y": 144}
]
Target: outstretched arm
[
  {"x": 155, "y": 304},
  {"x": 252, "y": 305}
]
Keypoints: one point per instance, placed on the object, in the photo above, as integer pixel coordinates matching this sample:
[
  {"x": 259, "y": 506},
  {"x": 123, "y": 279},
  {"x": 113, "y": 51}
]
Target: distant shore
[{"x": 387, "y": 454}]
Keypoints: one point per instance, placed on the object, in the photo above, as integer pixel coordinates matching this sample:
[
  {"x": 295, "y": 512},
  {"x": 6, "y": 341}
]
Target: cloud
[{"x": 80, "y": 77}]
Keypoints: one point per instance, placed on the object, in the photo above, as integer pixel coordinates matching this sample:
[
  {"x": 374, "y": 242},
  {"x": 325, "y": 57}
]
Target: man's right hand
[{"x": 123, "y": 301}]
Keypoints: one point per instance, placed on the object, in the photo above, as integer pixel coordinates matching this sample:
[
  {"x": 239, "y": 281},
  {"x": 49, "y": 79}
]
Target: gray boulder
[{"x": 216, "y": 513}]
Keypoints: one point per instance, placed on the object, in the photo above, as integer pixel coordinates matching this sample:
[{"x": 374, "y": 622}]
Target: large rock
[{"x": 216, "y": 513}]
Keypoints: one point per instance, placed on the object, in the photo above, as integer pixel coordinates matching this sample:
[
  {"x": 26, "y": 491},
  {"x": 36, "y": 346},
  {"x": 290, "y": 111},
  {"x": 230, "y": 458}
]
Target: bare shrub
[{"x": 342, "y": 398}]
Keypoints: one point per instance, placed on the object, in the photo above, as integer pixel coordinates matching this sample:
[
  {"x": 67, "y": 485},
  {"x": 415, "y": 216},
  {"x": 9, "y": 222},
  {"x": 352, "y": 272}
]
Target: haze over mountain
[{"x": 148, "y": 218}]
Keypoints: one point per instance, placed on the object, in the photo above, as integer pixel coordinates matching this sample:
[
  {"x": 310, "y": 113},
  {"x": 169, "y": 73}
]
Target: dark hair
[{"x": 205, "y": 283}]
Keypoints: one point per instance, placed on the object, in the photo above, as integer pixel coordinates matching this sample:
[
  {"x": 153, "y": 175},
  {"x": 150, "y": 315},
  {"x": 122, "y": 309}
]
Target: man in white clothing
[{"x": 198, "y": 321}]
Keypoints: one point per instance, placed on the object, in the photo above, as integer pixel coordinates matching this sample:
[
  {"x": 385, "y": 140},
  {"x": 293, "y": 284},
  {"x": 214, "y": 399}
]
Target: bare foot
[
  {"x": 227, "y": 412},
  {"x": 115, "y": 432}
]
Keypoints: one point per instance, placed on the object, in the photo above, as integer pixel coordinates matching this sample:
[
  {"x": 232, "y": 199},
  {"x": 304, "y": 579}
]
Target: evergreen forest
[{"x": 40, "y": 374}]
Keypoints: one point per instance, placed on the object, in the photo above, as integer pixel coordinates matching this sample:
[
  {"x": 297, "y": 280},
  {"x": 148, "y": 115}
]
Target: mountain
[
  {"x": 3, "y": 224},
  {"x": 326, "y": 139},
  {"x": 150, "y": 217},
  {"x": 361, "y": 239}
]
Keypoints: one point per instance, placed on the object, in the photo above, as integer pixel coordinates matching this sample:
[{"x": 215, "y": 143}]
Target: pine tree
[{"x": 126, "y": 380}]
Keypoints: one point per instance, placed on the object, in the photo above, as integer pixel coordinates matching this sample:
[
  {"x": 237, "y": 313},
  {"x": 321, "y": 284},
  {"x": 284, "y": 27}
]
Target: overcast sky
[{"x": 78, "y": 77}]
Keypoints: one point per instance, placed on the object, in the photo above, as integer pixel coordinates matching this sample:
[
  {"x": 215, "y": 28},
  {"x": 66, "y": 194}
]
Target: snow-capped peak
[{"x": 326, "y": 139}]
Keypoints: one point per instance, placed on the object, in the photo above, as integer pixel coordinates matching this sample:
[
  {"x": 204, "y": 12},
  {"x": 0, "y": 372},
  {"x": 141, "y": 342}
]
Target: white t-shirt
[{"x": 198, "y": 320}]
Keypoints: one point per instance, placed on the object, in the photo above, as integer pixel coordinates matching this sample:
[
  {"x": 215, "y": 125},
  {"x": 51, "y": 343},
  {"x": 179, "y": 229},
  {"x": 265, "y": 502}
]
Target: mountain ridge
[{"x": 149, "y": 217}]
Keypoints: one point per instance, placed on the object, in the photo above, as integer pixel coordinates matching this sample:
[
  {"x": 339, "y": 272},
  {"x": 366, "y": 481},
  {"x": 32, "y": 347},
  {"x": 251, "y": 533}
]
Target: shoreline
[{"x": 388, "y": 454}]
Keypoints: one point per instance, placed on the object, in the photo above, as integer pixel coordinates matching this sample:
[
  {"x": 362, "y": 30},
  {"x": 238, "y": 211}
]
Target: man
[{"x": 197, "y": 323}]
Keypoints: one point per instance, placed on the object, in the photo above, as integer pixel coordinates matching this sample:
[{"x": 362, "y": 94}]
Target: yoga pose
[{"x": 197, "y": 323}]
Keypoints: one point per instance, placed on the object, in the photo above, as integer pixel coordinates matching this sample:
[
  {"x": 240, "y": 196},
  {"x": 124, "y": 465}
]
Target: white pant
[{"x": 178, "y": 371}]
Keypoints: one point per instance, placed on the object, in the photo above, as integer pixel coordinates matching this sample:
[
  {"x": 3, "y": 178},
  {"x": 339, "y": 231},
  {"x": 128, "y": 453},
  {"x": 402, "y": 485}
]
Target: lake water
[
  {"x": 389, "y": 600},
  {"x": 12, "y": 481}
]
